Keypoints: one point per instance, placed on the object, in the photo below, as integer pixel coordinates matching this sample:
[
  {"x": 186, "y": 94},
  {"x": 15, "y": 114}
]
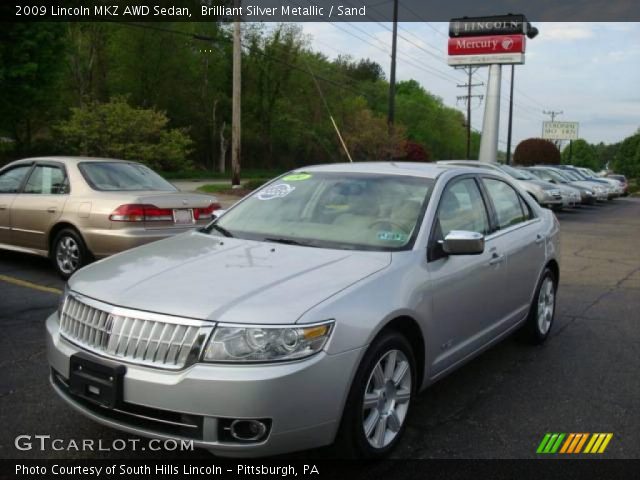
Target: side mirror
[
  {"x": 217, "y": 214},
  {"x": 460, "y": 242}
]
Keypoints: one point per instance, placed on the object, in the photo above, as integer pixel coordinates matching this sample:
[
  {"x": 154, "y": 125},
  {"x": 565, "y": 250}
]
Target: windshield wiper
[
  {"x": 222, "y": 230},
  {"x": 287, "y": 241}
]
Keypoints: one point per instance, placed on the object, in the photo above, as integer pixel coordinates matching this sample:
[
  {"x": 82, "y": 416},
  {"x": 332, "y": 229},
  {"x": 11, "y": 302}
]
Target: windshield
[
  {"x": 332, "y": 210},
  {"x": 579, "y": 174},
  {"x": 541, "y": 174},
  {"x": 568, "y": 174},
  {"x": 586, "y": 172},
  {"x": 552, "y": 175},
  {"x": 515, "y": 173},
  {"x": 123, "y": 176}
]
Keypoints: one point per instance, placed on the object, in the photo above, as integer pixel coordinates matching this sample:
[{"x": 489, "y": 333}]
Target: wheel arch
[
  {"x": 59, "y": 227},
  {"x": 555, "y": 269},
  {"x": 410, "y": 329}
]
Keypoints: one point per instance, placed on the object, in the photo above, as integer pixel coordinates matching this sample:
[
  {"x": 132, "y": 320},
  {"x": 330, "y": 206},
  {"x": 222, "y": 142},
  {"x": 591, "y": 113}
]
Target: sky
[{"x": 589, "y": 71}]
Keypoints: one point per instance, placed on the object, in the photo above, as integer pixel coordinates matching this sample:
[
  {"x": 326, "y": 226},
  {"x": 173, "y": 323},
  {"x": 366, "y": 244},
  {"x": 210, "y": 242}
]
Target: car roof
[
  {"x": 426, "y": 170},
  {"x": 69, "y": 160}
]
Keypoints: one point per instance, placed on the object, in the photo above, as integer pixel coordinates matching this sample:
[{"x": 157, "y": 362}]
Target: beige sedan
[{"x": 74, "y": 209}]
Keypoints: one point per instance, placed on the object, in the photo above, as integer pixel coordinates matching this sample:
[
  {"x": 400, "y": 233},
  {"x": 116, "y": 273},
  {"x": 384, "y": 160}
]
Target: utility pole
[
  {"x": 513, "y": 69},
  {"x": 467, "y": 98},
  {"x": 552, "y": 113},
  {"x": 392, "y": 77},
  {"x": 236, "y": 103}
]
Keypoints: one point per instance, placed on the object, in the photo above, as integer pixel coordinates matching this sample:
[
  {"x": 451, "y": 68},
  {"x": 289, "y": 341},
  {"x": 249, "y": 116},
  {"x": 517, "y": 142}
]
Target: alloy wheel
[
  {"x": 546, "y": 305},
  {"x": 68, "y": 255},
  {"x": 386, "y": 399}
]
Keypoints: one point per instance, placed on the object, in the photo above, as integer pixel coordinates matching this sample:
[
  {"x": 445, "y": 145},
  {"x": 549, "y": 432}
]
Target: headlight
[
  {"x": 63, "y": 299},
  {"x": 231, "y": 343}
]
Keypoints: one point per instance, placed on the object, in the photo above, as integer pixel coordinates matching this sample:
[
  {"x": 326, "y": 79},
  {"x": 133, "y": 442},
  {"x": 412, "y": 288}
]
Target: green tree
[
  {"x": 627, "y": 159},
  {"x": 115, "y": 129},
  {"x": 581, "y": 154},
  {"x": 30, "y": 73}
]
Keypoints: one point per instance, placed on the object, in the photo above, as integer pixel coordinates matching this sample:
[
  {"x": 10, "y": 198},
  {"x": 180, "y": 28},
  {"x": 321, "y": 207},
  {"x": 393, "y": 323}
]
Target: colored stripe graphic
[
  {"x": 581, "y": 443},
  {"x": 573, "y": 443}
]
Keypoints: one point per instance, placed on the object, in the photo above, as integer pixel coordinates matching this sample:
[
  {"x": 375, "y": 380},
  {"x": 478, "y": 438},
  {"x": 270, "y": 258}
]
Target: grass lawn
[{"x": 245, "y": 188}]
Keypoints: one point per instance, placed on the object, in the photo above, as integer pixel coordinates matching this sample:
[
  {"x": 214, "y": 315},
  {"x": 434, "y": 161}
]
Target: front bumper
[
  {"x": 302, "y": 400},
  {"x": 551, "y": 202}
]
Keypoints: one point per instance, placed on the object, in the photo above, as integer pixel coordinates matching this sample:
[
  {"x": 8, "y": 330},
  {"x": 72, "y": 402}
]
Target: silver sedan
[{"x": 314, "y": 310}]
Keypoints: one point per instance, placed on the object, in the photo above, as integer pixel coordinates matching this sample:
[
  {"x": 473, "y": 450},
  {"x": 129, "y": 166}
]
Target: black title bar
[{"x": 315, "y": 10}]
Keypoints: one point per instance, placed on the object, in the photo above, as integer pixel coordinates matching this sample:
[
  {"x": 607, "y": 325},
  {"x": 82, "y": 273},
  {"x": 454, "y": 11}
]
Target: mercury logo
[{"x": 507, "y": 43}]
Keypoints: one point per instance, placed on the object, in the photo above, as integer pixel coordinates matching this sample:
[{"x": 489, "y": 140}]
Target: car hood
[
  {"x": 542, "y": 184},
  {"x": 580, "y": 183},
  {"x": 206, "y": 277}
]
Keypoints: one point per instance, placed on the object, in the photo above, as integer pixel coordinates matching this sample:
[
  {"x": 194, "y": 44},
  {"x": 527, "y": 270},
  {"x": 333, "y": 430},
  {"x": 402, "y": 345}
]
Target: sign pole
[
  {"x": 570, "y": 150},
  {"x": 491, "y": 122},
  {"x": 509, "y": 134}
]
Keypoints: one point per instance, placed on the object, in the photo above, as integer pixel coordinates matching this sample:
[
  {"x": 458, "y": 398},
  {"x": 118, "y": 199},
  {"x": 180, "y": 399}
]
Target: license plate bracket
[
  {"x": 98, "y": 382},
  {"x": 183, "y": 216}
]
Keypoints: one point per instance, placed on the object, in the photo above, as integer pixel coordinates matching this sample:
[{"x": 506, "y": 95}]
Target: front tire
[
  {"x": 378, "y": 404},
  {"x": 541, "y": 314},
  {"x": 68, "y": 252}
]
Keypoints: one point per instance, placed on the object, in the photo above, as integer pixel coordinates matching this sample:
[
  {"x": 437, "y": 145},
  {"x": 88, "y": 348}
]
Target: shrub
[
  {"x": 534, "y": 151},
  {"x": 118, "y": 130}
]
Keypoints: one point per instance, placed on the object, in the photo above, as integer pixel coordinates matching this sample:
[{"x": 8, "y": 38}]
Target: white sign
[
  {"x": 490, "y": 59},
  {"x": 560, "y": 130}
]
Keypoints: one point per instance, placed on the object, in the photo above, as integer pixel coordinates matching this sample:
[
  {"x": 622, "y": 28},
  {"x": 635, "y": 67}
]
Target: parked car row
[
  {"x": 557, "y": 186},
  {"x": 74, "y": 210}
]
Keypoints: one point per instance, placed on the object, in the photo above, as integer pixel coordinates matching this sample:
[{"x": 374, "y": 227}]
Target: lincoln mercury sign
[
  {"x": 493, "y": 40},
  {"x": 560, "y": 130}
]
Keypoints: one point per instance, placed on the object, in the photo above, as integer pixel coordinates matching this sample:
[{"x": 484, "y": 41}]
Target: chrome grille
[{"x": 133, "y": 336}]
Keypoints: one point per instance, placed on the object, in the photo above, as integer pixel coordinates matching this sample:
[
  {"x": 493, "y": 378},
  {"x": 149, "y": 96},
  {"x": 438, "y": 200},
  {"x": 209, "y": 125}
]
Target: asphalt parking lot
[{"x": 584, "y": 379}]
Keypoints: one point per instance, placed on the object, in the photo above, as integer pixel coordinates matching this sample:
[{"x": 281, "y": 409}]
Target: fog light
[{"x": 242, "y": 430}]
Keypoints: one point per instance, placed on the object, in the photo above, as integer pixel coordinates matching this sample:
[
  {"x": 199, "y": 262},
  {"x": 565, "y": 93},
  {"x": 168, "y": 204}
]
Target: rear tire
[
  {"x": 542, "y": 312},
  {"x": 68, "y": 252},
  {"x": 377, "y": 408}
]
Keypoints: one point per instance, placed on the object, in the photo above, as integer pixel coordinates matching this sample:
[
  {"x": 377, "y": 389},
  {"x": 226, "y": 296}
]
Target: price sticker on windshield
[
  {"x": 297, "y": 177},
  {"x": 275, "y": 191}
]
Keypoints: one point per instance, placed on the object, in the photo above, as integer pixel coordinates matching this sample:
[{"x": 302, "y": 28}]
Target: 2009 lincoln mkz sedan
[{"x": 313, "y": 310}]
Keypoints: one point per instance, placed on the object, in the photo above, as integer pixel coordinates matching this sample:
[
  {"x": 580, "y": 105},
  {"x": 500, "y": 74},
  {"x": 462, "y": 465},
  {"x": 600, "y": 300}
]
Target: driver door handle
[
  {"x": 539, "y": 239},
  {"x": 52, "y": 209},
  {"x": 496, "y": 259}
]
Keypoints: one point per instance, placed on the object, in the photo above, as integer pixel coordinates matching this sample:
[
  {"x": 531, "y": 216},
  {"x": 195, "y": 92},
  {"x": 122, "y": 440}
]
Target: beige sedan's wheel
[{"x": 68, "y": 253}]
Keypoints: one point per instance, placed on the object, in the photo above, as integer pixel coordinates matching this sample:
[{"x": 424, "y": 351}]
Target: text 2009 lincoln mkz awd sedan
[{"x": 313, "y": 310}]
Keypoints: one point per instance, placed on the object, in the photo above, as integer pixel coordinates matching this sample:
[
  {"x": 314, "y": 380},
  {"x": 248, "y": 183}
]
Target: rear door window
[{"x": 46, "y": 180}]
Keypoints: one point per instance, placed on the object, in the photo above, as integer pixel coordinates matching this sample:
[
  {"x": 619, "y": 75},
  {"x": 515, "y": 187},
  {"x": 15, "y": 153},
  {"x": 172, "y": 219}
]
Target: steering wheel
[{"x": 389, "y": 222}]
